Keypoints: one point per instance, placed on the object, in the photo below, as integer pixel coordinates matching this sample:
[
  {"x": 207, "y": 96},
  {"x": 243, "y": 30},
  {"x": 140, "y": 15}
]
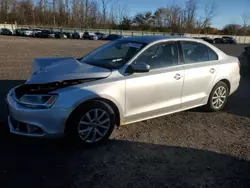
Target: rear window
[
  {"x": 212, "y": 55},
  {"x": 196, "y": 52}
]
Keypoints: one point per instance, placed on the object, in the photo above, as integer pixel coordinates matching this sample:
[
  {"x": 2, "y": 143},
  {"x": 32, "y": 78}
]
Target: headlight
[{"x": 38, "y": 101}]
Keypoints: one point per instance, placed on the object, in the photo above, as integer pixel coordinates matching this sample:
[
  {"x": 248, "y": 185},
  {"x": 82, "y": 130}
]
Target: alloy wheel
[
  {"x": 219, "y": 97},
  {"x": 94, "y": 125}
]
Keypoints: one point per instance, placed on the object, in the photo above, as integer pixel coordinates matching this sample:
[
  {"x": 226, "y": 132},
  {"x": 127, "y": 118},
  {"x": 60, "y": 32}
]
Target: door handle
[
  {"x": 177, "y": 76},
  {"x": 212, "y": 70}
]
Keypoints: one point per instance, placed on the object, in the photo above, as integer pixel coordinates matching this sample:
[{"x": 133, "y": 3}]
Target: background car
[
  {"x": 51, "y": 34},
  {"x": 22, "y": 30},
  {"x": 17, "y": 32},
  {"x": 5, "y": 31},
  {"x": 45, "y": 34},
  {"x": 89, "y": 36},
  {"x": 229, "y": 40},
  {"x": 101, "y": 36},
  {"x": 114, "y": 37},
  {"x": 68, "y": 34},
  {"x": 245, "y": 60},
  {"x": 220, "y": 41},
  {"x": 60, "y": 35},
  {"x": 92, "y": 36},
  {"x": 207, "y": 39},
  {"x": 77, "y": 35},
  {"x": 35, "y": 31},
  {"x": 28, "y": 33}
]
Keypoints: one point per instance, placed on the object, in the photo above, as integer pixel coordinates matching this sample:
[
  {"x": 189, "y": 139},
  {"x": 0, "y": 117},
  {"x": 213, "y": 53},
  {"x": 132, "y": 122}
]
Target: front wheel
[
  {"x": 218, "y": 97},
  {"x": 91, "y": 123}
]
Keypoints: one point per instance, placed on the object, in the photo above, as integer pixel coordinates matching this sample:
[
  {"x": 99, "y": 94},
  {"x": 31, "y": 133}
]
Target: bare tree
[
  {"x": 87, "y": 7},
  {"x": 67, "y": 11},
  {"x": 122, "y": 11},
  {"x": 54, "y": 12},
  {"x": 189, "y": 15},
  {"x": 104, "y": 10},
  {"x": 245, "y": 18},
  {"x": 4, "y": 4},
  {"x": 210, "y": 11}
]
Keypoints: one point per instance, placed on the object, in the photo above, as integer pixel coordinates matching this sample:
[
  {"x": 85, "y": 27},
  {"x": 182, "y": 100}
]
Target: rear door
[{"x": 200, "y": 66}]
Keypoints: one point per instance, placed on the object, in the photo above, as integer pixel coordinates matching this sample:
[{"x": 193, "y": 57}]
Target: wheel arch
[
  {"x": 227, "y": 82},
  {"x": 112, "y": 104}
]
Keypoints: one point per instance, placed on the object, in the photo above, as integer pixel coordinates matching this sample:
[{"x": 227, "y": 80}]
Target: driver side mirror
[{"x": 138, "y": 67}]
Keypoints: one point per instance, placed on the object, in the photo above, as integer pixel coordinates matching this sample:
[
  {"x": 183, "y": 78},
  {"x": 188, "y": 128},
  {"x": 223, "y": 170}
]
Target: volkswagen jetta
[{"x": 124, "y": 81}]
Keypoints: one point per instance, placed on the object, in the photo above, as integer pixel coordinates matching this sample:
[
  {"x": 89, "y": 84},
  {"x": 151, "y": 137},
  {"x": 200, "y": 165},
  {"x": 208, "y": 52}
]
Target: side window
[
  {"x": 212, "y": 55},
  {"x": 160, "y": 56},
  {"x": 195, "y": 52}
]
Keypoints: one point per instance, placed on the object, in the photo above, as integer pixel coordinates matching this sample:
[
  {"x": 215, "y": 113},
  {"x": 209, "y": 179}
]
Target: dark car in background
[
  {"x": 17, "y": 32},
  {"x": 45, "y": 34},
  {"x": 89, "y": 36},
  {"x": 77, "y": 35},
  {"x": 220, "y": 41},
  {"x": 60, "y": 35},
  {"x": 101, "y": 36},
  {"x": 68, "y": 34},
  {"x": 5, "y": 31},
  {"x": 207, "y": 39},
  {"x": 229, "y": 40},
  {"x": 114, "y": 37}
]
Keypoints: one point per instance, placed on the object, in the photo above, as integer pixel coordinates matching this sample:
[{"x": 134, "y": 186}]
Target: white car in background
[
  {"x": 28, "y": 33},
  {"x": 35, "y": 31},
  {"x": 22, "y": 31},
  {"x": 31, "y": 32}
]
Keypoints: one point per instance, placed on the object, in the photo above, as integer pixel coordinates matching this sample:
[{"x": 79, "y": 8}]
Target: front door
[{"x": 157, "y": 92}]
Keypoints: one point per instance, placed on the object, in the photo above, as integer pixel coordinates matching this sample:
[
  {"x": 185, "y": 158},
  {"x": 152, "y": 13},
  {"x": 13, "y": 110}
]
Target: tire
[
  {"x": 211, "y": 104},
  {"x": 74, "y": 127}
]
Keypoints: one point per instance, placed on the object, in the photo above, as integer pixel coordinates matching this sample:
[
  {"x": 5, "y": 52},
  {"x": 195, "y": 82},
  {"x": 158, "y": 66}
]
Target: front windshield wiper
[{"x": 114, "y": 58}]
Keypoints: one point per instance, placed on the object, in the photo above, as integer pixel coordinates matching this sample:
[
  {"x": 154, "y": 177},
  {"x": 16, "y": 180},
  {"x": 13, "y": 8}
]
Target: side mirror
[{"x": 138, "y": 67}]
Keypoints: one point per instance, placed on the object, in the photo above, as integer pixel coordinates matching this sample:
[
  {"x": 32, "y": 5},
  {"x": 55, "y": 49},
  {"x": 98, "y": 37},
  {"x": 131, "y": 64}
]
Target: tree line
[{"x": 114, "y": 14}]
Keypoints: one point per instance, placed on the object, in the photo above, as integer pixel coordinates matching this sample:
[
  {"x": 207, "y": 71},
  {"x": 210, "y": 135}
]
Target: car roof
[{"x": 153, "y": 38}]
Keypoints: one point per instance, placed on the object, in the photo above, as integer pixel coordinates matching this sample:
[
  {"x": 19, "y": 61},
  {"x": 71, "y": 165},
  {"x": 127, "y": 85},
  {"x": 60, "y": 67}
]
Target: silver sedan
[{"x": 124, "y": 81}]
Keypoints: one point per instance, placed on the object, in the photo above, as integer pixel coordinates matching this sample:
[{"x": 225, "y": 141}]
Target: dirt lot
[{"x": 187, "y": 149}]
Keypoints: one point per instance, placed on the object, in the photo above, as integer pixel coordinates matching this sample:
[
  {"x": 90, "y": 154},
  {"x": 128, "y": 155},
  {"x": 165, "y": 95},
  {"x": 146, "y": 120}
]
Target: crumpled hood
[{"x": 45, "y": 70}]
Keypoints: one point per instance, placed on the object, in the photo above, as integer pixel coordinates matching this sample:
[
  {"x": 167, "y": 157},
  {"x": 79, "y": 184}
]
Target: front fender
[
  {"x": 102, "y": 96},
  {"x": 74, "y": 97}
]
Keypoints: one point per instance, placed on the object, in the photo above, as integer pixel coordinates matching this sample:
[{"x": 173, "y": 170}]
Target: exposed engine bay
[{"x": 48, "y": 87}]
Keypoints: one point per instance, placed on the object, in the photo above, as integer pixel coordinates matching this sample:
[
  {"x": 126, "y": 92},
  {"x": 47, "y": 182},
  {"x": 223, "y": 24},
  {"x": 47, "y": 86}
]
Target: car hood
[{"x": 47, "y": 70}]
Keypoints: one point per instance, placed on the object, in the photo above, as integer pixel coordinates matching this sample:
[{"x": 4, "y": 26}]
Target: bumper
[
  {"x": 235, "y": 85},
  {"x": 36, "y": 122}
]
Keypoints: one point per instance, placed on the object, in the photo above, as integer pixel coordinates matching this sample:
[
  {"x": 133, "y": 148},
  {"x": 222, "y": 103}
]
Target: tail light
[{"x": 239, "y": 63}]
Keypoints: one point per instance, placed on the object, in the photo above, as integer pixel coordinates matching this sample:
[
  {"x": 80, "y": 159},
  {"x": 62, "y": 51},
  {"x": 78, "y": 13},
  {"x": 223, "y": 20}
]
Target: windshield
[{"x": 113, "y": 55}]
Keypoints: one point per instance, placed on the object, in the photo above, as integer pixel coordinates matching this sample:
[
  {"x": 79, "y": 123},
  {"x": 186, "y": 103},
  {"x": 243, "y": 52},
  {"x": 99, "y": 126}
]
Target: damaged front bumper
[
  {"x": 31, "y": 120},
  {"x": 35, "y": 122}
]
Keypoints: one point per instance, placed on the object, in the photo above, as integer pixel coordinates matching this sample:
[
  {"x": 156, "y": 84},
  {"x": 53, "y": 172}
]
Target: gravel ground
[{"x": 187, "y": 149}]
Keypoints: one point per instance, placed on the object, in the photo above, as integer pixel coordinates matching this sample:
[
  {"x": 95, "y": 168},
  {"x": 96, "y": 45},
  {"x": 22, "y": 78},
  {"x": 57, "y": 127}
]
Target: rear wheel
[
  {"x": 218, "y": 97},
  {"x": 91, "y": 123}
]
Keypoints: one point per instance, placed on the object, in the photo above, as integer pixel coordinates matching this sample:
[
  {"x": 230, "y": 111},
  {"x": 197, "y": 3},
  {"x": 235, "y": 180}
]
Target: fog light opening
[{"x": 34, "y": 129}]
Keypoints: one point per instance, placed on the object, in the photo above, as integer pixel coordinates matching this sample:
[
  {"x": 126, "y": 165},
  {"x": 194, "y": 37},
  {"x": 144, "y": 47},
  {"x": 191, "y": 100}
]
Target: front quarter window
[{"x": 114, "y": 54}]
